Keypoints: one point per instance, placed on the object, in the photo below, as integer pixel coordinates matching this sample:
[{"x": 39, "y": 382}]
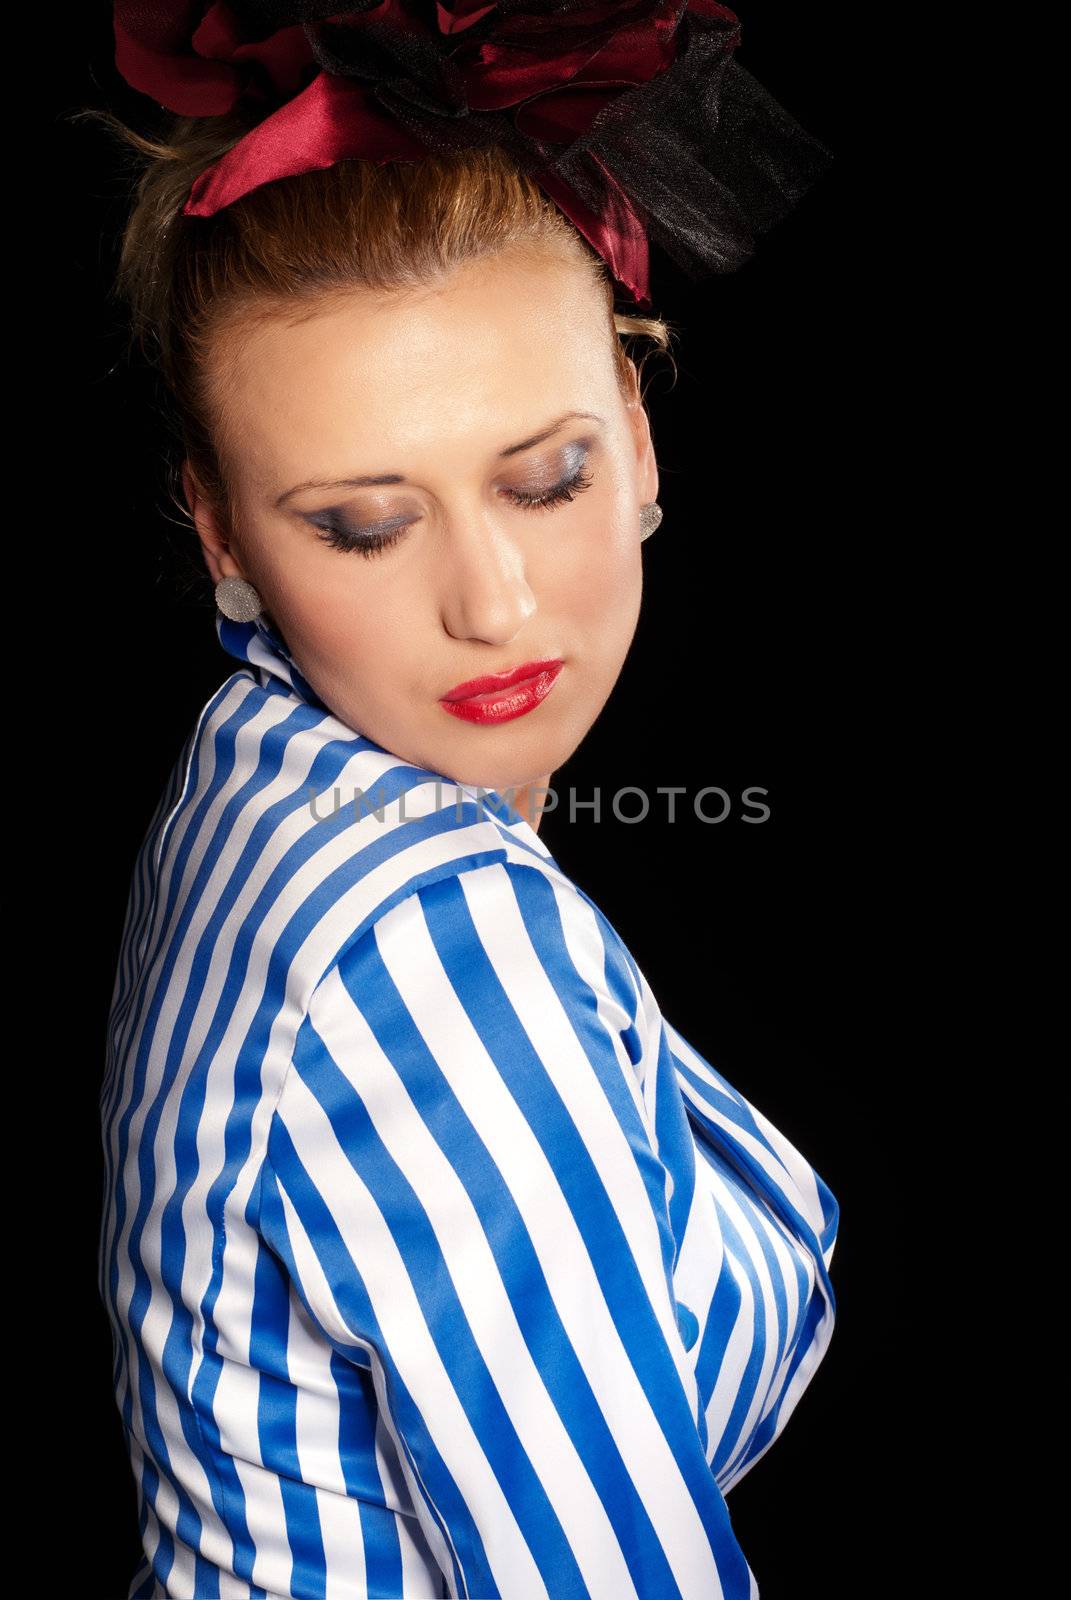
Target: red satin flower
[{"x": 370, "y": 80}]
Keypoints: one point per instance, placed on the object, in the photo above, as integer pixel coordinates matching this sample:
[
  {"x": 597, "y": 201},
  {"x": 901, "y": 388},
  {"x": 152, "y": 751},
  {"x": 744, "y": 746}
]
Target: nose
[{"x": 486, "y": 594}]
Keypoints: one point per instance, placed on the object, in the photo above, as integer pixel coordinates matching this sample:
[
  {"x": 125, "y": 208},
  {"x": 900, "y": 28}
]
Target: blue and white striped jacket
[{"x": 437, "y": 1262}]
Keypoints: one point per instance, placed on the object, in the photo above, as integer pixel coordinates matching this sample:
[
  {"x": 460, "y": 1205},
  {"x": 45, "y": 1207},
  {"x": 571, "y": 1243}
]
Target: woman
[{"x": 438, "y": 1262}]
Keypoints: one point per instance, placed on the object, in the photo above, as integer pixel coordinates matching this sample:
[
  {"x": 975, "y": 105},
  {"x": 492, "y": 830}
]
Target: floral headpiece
[{"x": 635, "y": 119}]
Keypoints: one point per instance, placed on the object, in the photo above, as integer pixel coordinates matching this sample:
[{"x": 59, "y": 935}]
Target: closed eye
[
  {"x": 557, "y": 496},
  {"x": 365, "y": 542}
]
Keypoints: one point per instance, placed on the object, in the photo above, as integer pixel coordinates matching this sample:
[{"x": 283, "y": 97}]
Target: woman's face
[{"x": 388, "y": 458}]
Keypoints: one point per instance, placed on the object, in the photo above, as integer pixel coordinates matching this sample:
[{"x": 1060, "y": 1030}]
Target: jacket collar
[{"x": 258, "y": 645}]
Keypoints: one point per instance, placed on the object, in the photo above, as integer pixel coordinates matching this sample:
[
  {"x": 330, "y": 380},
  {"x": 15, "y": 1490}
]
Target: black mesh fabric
[{"x": 707, "y": 156}]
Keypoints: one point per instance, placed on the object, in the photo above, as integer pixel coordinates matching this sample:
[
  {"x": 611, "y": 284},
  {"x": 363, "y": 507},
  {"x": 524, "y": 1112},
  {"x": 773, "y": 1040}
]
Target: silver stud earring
[
  {"x": 238, "y": 600},
  {"x": 650, "y": 517}
]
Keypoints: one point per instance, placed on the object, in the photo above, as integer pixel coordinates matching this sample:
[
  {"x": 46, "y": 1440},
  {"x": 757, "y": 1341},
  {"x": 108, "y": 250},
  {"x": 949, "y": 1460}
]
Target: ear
[
  {"x": 641, "y": 433},
  {"x": 215, "y": 544}
]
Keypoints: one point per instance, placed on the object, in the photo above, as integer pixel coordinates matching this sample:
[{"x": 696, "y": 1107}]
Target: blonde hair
[{"x": 297, "y": 241}]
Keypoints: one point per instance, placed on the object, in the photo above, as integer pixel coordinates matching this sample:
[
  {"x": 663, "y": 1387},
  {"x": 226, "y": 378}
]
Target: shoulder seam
[{"x": 444, "y": 872}]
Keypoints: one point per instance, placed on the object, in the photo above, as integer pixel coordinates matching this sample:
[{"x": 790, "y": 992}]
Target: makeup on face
[{"x": 554, "y": 482}]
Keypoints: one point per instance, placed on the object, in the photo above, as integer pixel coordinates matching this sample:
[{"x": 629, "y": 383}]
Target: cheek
[
  {"x": 598, "y": 574},
  {"x": 336, "y": 632}
]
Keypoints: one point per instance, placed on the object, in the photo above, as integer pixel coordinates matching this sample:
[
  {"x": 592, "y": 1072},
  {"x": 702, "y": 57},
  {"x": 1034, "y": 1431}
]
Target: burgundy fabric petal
[{"x": 331, "y": 119}]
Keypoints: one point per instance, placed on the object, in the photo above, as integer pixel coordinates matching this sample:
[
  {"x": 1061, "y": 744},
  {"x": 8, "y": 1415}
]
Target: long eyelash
[
  {"x": 554, "y": 497},
  {"x": 352, "y": 545},
  {"x": 339, "y": 539}
]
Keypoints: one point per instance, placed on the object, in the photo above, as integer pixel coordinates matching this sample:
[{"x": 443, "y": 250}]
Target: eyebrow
[{"x": 369, "y": 480}]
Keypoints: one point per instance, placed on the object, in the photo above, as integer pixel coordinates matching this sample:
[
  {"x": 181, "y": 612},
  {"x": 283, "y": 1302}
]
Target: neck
[{"x": 530, "y": 800}]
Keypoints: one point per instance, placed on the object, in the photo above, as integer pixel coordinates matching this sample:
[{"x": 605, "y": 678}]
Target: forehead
[{"x": 469, "y": 366}]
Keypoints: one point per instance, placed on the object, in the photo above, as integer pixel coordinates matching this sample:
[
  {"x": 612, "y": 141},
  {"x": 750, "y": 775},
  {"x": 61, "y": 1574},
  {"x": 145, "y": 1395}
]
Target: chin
[
  {"x": 503, "y": 770},
  {"x": 494, "y": 779}
]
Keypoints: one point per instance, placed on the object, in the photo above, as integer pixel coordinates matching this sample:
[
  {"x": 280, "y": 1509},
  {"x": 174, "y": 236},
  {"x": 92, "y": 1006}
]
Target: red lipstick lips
[{"x": 501, "y": 696}]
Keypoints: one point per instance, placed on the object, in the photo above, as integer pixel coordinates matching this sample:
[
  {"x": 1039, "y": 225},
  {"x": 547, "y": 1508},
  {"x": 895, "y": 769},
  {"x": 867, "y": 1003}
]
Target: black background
[{"x": 770, "y": 652}]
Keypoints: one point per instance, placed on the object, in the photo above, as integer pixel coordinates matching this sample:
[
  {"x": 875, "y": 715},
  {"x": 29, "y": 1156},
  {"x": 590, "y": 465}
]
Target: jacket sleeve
[{"x": 462, "y": 1181}]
